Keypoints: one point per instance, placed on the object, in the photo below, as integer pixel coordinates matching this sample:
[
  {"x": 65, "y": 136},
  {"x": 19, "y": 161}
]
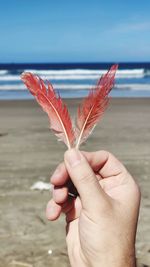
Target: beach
[{"x": 29, "y": 153}]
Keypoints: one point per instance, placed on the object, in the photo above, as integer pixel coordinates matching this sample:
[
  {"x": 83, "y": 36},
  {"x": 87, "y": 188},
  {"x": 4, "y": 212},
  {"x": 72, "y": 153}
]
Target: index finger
[{"x": 104, "y": 163}]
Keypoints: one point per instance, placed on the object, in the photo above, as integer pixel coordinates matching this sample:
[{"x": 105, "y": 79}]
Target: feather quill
[
  {"x": 52, "y": 104},
  {"x": 93, "y": 106}
]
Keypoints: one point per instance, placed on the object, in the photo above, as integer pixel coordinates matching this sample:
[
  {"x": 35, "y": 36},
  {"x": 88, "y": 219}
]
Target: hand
[{"x": 102, "y": 220}]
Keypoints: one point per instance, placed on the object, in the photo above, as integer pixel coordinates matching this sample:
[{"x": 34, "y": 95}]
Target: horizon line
[{"x": 74, "y": 62}]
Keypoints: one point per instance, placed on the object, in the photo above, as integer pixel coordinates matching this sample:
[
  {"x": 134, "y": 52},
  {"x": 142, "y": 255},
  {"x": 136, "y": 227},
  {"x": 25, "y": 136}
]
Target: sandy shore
[{"x": 29, "y": 152}]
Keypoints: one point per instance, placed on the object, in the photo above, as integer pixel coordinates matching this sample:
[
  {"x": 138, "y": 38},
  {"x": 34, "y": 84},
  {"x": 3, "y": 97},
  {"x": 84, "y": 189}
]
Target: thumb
[{"x": 84, "y": 180}]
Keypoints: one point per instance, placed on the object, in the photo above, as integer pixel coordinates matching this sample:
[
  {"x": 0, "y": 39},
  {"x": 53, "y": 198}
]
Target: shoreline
[{"x": 73, "y": 94}]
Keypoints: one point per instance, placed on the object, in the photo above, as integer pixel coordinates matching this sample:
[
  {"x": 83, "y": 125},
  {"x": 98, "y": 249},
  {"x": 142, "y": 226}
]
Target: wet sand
[{"x": 29, "y": 152}]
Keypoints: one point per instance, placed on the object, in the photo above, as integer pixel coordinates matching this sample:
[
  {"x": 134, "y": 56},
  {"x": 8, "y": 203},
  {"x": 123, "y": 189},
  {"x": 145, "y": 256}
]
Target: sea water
[{"x": 75, "y": 79}]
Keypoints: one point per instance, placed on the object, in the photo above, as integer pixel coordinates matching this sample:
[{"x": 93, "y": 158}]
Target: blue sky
[{"x": 79, "y": 31}]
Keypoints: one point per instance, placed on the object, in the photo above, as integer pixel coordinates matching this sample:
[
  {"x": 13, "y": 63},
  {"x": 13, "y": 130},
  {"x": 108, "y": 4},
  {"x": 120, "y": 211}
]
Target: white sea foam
[
  {"x": 86, "y": 74},
  {"x": 134, "y": 86},
  {"x": 3, "y": 72},
  {"x": 56, "y": 86},
  {"x": 145, "y": 87},
  {"x": 76, "y": 74},
  {"x": 67, "y": 72},
  {"x": 12, "y": 87},
  {"x": 10, "y": 78}
]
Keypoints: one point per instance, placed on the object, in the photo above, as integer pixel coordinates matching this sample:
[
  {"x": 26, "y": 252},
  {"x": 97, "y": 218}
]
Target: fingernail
[{"x": 73, "y": 157}]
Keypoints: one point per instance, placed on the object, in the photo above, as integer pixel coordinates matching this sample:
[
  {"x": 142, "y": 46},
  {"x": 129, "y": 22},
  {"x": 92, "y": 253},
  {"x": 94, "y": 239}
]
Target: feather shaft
[{"x": 82, "y": 130}]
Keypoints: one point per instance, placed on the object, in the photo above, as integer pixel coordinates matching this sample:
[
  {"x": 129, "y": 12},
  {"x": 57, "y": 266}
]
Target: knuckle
[
  {"x": 104, "y": 152},
  {"x": 87, "y": 177}
]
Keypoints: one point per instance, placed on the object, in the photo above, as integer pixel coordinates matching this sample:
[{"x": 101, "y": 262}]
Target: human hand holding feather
[
  {"x": 88, "y": 114},
  {"x": 106, "y": 189}
]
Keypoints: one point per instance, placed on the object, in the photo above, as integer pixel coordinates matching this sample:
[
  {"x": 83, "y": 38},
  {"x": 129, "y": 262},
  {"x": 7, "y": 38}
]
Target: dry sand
[{"x": 29, "y": 152}]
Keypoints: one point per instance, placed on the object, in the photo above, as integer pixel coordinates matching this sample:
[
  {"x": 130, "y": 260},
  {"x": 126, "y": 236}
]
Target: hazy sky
[{"x": 67, "y": 30}]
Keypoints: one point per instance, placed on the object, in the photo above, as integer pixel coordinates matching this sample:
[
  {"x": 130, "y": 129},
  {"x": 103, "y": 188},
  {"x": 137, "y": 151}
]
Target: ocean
[{"x": 75, "y": 79}]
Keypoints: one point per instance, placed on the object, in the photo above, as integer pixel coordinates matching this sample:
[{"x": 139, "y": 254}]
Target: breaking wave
[
  {"x": 69, "y": 81},
  {"x": 77, "y": 74},
  {"x": 128, "y": 86}
]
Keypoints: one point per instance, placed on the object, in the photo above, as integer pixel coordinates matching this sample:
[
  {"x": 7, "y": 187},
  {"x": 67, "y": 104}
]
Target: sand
[{"x": 29, "y": 152}]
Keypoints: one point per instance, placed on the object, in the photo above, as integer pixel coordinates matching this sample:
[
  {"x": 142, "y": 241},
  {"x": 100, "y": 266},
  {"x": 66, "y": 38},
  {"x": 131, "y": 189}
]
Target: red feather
[
  {"x": 93, "y": 106},
  {"x": 52, "y": 104}
]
